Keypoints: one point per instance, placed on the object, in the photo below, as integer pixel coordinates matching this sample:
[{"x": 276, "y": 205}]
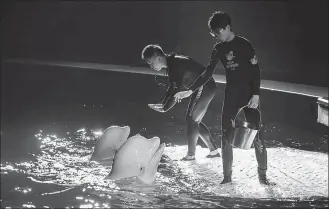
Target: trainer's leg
[
  {"x": 192, "y": 131},
  {"x": 229, "y": 111},
  {"x": 206, "y": 137},
  {"x": 196, "y": 110},
  {"x": 208, "y": 94},
  {"x": 252, "y": 116}
]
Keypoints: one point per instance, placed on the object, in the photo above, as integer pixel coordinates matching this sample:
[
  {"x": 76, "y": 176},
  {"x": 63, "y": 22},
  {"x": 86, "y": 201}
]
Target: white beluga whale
[
  {"x": 135, "y": 156},
  {"x": 109, "y": 143}
]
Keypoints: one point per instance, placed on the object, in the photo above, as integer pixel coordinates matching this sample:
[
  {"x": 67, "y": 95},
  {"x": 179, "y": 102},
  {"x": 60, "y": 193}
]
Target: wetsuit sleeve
[
  {"x": 209, "y": 71},
  {"x": 255, "y": 70}
]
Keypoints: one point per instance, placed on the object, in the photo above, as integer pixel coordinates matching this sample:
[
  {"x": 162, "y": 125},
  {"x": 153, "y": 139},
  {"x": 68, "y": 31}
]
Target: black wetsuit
[
  {"x": 242, "y": 82},
  {"x": 182, "y": 72}
]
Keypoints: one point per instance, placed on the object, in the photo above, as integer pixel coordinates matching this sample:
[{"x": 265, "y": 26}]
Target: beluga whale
[{"x": 134, "y": 156}]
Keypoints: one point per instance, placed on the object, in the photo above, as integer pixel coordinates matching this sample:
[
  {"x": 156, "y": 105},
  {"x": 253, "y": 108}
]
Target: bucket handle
[{"x": 260, "y": 114}]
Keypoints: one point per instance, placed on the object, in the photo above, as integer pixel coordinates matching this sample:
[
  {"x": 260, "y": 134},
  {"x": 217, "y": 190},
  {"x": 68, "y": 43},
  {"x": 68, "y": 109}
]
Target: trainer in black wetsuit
[
  {"x": 242, "y": 82},
  {"x": 182, "y": 72},
  {"x": 242, "y": 88}
]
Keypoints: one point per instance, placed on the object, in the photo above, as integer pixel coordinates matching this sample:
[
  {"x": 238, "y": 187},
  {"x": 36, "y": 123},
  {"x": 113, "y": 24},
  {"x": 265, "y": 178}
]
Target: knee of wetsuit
[{"x": 191, "y": 120}]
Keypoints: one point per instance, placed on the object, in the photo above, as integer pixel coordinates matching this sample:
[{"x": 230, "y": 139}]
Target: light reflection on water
[{"x": 64, "y": 162}]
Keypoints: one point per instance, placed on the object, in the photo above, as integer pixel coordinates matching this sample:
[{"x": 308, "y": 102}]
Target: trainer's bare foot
[
  {"x": 226, "y": 180},
  {"x": 213, "y": 154},
  {"x": 264, "y": 181},
  {"x": 188, "y": 158}
]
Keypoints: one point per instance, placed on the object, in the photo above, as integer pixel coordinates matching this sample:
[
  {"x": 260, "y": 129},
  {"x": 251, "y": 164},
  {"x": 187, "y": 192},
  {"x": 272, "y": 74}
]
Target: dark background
[{"x": 290, "y": 37}]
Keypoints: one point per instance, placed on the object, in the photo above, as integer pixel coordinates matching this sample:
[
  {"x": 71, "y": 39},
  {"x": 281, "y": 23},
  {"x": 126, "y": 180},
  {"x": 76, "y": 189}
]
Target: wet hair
[
  {"x": 148, "y": 52},
  {"x": 219, "y": 19},
  {"x": 151, "y": 50}
]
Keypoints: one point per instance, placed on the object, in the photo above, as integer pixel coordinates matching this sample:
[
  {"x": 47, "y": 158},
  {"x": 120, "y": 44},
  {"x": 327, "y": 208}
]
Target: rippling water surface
[{"x": 61, "y": 175}]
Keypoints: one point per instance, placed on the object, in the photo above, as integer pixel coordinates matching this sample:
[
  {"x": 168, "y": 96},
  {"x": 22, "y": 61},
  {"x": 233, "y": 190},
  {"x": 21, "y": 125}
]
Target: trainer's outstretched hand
[
  {"x": 156, "y": 107},
  {"x": 182, "y": 94}
]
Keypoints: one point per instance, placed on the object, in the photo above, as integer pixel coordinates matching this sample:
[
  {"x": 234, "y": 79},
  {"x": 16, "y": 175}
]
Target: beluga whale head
[{"x": 135, "y": 156}]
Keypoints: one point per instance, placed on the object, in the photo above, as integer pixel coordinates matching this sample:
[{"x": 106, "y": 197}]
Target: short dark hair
[
  {"x": 151, "y": 50},
  {"x": 219, "y": 19}
]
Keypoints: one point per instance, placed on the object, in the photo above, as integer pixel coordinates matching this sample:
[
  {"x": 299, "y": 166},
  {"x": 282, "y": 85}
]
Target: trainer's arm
[
  {"x": 209, "y": 71},
  {"x": 255, "y": 70}
]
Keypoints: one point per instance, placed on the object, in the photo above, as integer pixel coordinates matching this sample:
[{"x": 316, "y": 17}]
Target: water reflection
[{"x": 64, "y": 162}]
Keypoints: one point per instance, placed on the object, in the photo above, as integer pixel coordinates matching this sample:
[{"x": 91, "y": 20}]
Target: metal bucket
[{"x": 245, "y": 132}]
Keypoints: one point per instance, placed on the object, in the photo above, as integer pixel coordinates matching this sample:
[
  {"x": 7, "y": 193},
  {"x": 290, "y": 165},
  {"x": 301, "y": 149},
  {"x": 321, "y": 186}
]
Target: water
[
  {"x": 61, "y": 175},
  {"x": 51, "y": 118}
]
